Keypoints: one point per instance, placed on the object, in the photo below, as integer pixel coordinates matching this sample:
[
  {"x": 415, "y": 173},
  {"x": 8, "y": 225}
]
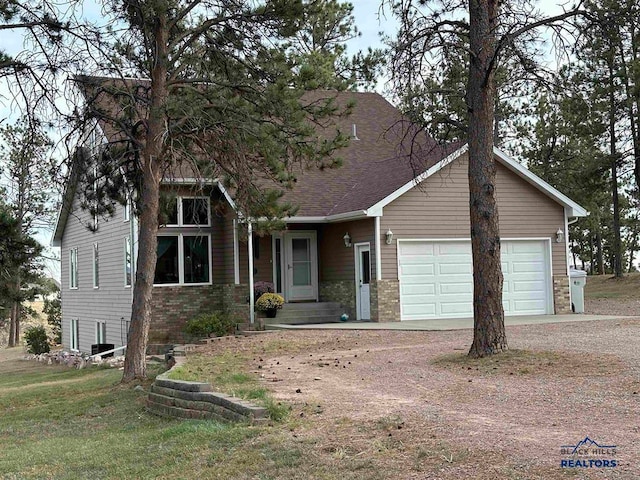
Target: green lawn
[{"x": 63, "y": 423}]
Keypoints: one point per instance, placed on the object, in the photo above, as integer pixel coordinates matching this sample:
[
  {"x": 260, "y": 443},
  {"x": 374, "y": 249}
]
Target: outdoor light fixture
[
  {"x": 388, "y": 237},
  {"x": 347, "y": 240},
  {"x": 559, "y": 236}
]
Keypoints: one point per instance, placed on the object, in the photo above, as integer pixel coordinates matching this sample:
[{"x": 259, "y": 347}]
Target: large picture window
[{"x": 183, "y": 259}]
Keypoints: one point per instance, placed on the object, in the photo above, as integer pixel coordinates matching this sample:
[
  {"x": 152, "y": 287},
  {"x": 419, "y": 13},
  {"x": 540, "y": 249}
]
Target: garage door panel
[
  {"x": 455, "y": 288},
  {"x": 418, "y": 299},
  {"x": 453, "y": 309},
  {"x": 455, "y": 269},
  {"x": 453, "y": 248},
  {"x": 419, "y": 310},
  {"x": 528, "y": 286},
  {"x": 416, "y": 260},
  {"x": 418, "y": 289},
  {"x": 527, "y": 267},
  {"x": 441, "y": 285},
  {"x": 422, "y": 269},
  {"x": 524, "y": 306},
  {"x": 417, "y": 279},
  {"x": 416, "y": 248}
]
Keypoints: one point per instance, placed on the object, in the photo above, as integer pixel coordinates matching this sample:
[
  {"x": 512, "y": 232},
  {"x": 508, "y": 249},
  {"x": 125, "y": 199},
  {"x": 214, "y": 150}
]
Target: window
[
  {"x": 195, "y": 211},
  {"x": 183, "y": 259},
  {"x": 101, "y": 332},
  {"x": 73, "y": 268},
  {"x": 96, "y": 266},
  {"x": 127, "y": 262},
  {"x": 74, "y": 340},
  {"x": 95, "y": 193},
  {"x": 188, "y": 212}
]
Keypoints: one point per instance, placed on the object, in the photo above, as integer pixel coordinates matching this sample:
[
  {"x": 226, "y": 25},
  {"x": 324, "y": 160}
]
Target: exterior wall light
[
  {"x": 347, "y": 240},
  {"x": 388, "y": 237},
  {"x": 559, "y": 236}
]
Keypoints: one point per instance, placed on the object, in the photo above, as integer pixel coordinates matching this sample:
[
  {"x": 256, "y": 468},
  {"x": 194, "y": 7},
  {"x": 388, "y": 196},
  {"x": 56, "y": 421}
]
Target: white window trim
[
  {"x": 127, "y": 242},
  {"x": 181, "y": 223},
  {"x": 73, "y": 272},
  {"x": 96, "y": 263},
  {"x": 101, "y": 331},
  {"x": 181, "y": 260},
  {"x": 74, "y": 334}
]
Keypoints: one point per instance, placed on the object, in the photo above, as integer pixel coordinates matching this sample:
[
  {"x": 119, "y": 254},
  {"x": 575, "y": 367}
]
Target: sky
[{"x": 370, "y": 19}]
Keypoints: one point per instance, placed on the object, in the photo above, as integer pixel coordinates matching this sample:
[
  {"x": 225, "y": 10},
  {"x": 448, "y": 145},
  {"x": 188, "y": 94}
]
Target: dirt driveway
[{"x": 413, "y": 400}]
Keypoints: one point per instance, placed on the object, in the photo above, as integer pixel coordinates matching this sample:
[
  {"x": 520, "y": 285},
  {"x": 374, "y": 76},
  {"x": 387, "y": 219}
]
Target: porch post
[
  {"x": 236, "y": 254},
  {"x": 250, "y": 252},
  {"x": 378, "y": 253}
]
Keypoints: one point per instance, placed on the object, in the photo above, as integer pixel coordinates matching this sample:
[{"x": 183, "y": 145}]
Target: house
[{"x": 385, "y": 236}]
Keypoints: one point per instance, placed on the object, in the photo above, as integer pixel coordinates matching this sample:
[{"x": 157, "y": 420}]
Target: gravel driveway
[{"x": 404, "y": 399}]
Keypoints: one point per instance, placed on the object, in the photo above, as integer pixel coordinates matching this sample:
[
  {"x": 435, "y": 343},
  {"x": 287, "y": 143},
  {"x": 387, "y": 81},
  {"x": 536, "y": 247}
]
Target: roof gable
[{"x": 573, "y": 208}]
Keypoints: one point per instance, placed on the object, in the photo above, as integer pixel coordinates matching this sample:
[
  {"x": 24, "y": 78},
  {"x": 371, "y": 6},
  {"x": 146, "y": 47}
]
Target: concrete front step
[
  {"x": 309, "y": 306},
  {"x": 309, "y": 320}
]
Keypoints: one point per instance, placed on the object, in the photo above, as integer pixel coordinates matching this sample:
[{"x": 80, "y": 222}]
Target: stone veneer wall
[
  {"x": 385, "y": 300},
  {"x": 342, "y": 292},
  {"x": 172, "y": 307},
  {"x": 561, "y": 294}
]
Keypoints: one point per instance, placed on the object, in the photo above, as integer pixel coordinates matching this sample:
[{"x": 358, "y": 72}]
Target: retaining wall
[{"x": 196, "y": 400}]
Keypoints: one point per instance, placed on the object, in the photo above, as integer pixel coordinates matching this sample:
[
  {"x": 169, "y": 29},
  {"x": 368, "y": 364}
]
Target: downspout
[{"x": 250, "y": 252}]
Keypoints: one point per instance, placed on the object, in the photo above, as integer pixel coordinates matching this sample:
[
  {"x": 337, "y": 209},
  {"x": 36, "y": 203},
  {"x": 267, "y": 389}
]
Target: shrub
[
  {"x": 37, "y": 341},
  {"x": 269, "y": 301},
  {"x": 216, "y": 323},
  {"x": 260, "y": 288}
]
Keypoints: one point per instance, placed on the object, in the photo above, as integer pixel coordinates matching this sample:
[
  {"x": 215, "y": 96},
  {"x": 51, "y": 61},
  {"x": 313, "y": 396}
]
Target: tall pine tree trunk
[
  {"x": 617, "y": 241},
  {"x": 489, "y": 333},
  {"x": 600, "y": 257},
  {"x": 135, "y": 359}
]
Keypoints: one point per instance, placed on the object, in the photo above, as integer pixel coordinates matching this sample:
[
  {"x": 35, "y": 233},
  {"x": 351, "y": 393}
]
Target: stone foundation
[
  {"x": 342, "y": 292},
  {"x": 561, "y": 294},
  {"x": 385, "y": 300}
]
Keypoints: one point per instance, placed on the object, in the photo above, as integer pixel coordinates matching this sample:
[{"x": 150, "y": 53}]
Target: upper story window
[
  {"x": 127, "y": 210},
  {"x": 73, "y": 268},
  {"x": 128, "y": 271},
  {"x": 189, "y": 212},
  {"x": 96, "y": 266}
]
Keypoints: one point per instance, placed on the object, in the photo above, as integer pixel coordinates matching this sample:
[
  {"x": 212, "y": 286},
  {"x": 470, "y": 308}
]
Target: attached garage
[{"x": 436, "y": 278}]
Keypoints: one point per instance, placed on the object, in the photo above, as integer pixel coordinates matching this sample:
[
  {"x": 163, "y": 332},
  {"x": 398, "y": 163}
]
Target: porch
[{"x": 322, "y": 270}]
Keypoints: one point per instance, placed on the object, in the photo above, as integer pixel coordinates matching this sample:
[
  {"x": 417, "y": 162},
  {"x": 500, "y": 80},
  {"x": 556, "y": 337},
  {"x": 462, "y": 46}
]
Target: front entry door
[
  {"x": 301, "y": 266},
  {"x": 363, "y": 279}
]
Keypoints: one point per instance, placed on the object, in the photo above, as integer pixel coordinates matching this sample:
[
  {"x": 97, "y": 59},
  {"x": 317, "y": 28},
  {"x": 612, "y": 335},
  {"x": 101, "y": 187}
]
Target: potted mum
[{"x": 270, "y": 303}]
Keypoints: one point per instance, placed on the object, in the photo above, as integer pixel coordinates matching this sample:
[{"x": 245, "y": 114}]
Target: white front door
[
  {"x": 301, "y": 266},
  {"x": 363, "y": 279}
]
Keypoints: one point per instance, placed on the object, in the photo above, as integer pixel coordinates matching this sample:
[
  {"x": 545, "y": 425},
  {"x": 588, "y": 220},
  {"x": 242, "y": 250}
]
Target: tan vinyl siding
[
  {"x": 337, "y": 262},
  {"x": 439, "y": 208},
  {"x": 262, "y": 266},
  {"x": 111, "y": 301}
]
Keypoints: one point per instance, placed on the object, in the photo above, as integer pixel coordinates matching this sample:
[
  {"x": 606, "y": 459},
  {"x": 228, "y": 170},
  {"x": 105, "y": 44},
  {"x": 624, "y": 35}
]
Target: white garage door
[{"x": 436, "y": 278}]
